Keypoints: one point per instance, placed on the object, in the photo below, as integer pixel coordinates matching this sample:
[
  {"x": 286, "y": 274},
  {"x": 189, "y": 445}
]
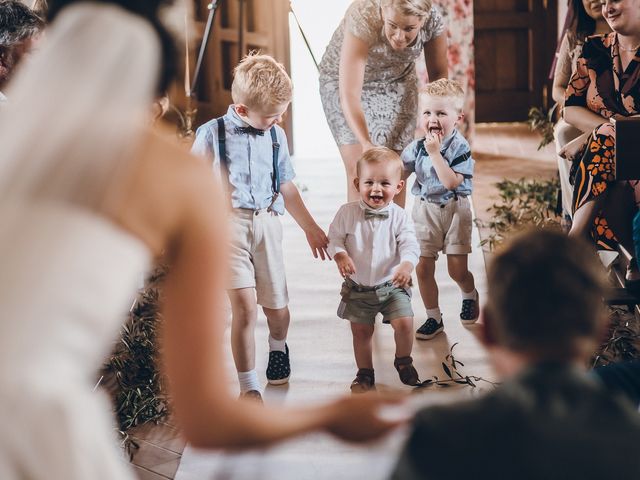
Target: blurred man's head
[
  {"x": 19, "y": 29},
  {"x": 545, "y": 298}
]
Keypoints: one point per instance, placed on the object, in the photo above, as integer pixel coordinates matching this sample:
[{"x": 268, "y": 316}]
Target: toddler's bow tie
[
  {"x": 248, "y": 130},
  {"x": 368, "y": 213}
]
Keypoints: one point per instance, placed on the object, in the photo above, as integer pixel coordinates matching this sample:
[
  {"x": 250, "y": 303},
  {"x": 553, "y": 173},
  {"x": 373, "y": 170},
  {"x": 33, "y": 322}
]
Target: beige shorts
[
  {"x": 443, "y": 228},
  {"x": 256, "y": 259}
]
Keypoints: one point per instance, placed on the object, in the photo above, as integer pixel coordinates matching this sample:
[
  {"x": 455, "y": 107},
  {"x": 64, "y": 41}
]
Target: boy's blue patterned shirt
[
  {"x": 249, "y": 159},
  {"x": 427, "y": 184}
]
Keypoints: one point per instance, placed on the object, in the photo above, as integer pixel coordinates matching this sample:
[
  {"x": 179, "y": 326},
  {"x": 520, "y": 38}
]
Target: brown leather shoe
[
  {"x": 406, "y": 371},
  {"x": 364, "y": 381}
]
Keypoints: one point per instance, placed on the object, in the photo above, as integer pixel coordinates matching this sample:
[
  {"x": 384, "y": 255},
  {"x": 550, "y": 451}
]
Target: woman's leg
[{"x": 350, "y": 155}]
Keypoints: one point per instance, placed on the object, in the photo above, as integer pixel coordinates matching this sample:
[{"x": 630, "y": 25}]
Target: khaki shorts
[
  {"x": 256, "y": 259},
  {"x": 443, "y": 228},
  {"x": 361, "y": 304}
]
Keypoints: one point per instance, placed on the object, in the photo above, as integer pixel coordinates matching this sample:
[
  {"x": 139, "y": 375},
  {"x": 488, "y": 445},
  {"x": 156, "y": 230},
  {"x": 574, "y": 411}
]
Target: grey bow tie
[
  {"x": 369, "y": 213},
  {"x": 249, "y": 130}
]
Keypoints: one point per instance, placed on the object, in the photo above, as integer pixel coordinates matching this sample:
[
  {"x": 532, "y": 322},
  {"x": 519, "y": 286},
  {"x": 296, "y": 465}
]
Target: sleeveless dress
[
  {"x": 68, "y": 277},
  {"x": 390, "y": 87}
]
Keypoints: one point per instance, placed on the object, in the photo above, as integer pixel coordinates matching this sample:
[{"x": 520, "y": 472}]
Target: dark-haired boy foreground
[{"x": 550, "y": 419}]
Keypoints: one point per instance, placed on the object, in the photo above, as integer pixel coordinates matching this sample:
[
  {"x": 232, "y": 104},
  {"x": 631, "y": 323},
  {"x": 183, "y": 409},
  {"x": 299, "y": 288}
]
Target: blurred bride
[{"x": 88, "y": 195}]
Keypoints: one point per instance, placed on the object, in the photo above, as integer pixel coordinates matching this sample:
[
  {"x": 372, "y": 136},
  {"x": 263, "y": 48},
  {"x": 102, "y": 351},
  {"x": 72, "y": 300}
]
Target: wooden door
[
  {"x": 240, "y": 26},
  {"x": 514, "y": 45}
]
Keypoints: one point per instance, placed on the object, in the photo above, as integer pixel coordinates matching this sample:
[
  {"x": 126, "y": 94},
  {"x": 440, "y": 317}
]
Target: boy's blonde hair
[
  {"x": 379, "y": 155},
  {"x": 444, "y": 87},
  {"x": 259, "y": 81},
  {"x": 413, "y": 8}
]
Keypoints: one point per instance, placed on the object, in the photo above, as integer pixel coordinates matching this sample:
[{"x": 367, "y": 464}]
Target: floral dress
[
  {"x": 390, "y": 86},
  {"x": 601, "y": 85}
]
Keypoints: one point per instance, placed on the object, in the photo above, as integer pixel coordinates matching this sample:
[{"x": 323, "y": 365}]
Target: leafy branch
[
  {"x": 523, "y": 203},
  {"x": 542, "y": 121},
  {"x": 450, "y": 368}
]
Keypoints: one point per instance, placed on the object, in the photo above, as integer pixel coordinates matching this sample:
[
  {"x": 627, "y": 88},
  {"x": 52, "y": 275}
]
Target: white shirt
[
  {"x": 376, "y": 245},
  {"x": 3, "y": 98}
]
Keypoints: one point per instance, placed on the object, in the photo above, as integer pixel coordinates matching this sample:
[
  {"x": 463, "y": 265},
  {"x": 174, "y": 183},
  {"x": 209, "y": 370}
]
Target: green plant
[
  {"x": 523, "y": 203},
  {"x": 541, "y": 121},
  {"x": 622, "y": 340},
  {"x": 139, "y": 388}
]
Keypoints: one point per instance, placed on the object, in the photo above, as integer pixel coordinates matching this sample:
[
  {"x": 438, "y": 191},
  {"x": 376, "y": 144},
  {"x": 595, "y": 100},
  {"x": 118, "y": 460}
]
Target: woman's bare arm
[
  {"x": 353, "y": 60},
  {"x": 435, "y": 56},
  {"x": 582, "y": 118}
]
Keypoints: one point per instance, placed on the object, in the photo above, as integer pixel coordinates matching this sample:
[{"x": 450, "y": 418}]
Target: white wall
[{"x": 312, "y": 138}]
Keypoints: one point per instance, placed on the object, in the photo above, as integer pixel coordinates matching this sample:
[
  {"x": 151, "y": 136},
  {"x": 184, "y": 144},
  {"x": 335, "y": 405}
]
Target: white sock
[
  {"x": 277, "y": 345},
  {"x": 435, "y": 314},
  {"x": 248, "y": 381},
  {"x": 472, "y": 295}
]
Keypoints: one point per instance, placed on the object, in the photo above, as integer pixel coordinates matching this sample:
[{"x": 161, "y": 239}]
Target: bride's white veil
[{"x": 77, "y": 107}]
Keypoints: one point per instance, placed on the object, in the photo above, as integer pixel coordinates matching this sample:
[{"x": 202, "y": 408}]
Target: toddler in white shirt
[{"x": 373, "y": 242}]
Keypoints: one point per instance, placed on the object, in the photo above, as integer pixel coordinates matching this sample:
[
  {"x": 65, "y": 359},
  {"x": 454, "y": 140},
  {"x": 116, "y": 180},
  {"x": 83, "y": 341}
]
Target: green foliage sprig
[
  {"x": 622, "y": 340},
  {"x": 139, "y": 393},
  {"x": 542, "y": 121},
  {"x": 523, "y": 203}
]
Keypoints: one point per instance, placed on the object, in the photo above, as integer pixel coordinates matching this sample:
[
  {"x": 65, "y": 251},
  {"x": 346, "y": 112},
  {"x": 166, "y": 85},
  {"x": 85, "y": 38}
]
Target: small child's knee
[
  {"x": 362, "y": 331},
  {"x": 403, "y": 325}
]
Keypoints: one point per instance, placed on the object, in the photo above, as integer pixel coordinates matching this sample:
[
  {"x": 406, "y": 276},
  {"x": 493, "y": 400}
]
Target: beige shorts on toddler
[
  {"x": 256, "y": 259},
  {"x": 443, "y": 228}
]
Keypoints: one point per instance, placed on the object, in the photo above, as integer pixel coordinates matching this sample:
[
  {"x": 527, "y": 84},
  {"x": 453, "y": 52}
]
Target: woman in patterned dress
[
  {"x": 368, "y": 82},
  {"x": 605, "y": 85},
  {"x": 584, "y": 18}
]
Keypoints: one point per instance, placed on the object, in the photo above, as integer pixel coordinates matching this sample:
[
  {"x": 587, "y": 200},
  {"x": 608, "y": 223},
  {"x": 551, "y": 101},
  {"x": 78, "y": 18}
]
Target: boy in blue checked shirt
[
  {"x": 251, "y": 153},
  {"x": 442, "y": 212}
]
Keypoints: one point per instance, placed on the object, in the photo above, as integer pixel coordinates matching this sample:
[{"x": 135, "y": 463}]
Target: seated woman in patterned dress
[{"x": 605, "y": 85}]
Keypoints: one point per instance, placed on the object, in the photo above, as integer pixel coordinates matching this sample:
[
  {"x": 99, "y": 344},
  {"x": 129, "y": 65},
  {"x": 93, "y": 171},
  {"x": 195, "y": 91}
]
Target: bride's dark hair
[{"x": 148, "y": 9}]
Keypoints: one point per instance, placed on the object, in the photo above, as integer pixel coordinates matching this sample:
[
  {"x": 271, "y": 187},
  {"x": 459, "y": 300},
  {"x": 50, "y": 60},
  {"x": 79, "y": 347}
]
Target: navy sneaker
[
  {"x": 279, "y": 368},
  {"x": 429, "y": 329},
  {"x": 470, "y": 311}
]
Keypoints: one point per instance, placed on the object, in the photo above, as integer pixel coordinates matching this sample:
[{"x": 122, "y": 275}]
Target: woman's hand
[
  {"x": 574, "y": 147},
  {"x": 360, "y": 418}
]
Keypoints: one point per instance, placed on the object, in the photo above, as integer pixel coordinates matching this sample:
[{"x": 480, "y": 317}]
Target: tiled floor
[{"x": 327, "y": 367}]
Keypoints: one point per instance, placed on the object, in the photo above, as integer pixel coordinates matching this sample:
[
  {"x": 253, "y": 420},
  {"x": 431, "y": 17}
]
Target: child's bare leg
[
  {"x": 403, "y": 335},
  {"x": 459, "y": 272},
  {"x": 426, "y": 273},
  {"x": 244, "y": 312},
  {"x": 278, "y": 322},
  {"x": 362, "y": 344}
]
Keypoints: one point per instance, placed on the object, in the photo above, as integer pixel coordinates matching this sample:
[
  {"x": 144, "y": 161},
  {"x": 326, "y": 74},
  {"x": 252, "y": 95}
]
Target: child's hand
[
  {"x": 402, "y": 275},
  {"x": 345, "y": 264},
  {"x": 432, "y": 143},
  {"x": 318, "y": 242}
]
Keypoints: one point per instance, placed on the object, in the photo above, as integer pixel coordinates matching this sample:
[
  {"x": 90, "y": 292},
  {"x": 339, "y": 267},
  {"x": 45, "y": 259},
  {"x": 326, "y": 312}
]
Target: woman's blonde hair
[
  {"x": 413, "y": 8},
  {"x": 259, "y": 81}
]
